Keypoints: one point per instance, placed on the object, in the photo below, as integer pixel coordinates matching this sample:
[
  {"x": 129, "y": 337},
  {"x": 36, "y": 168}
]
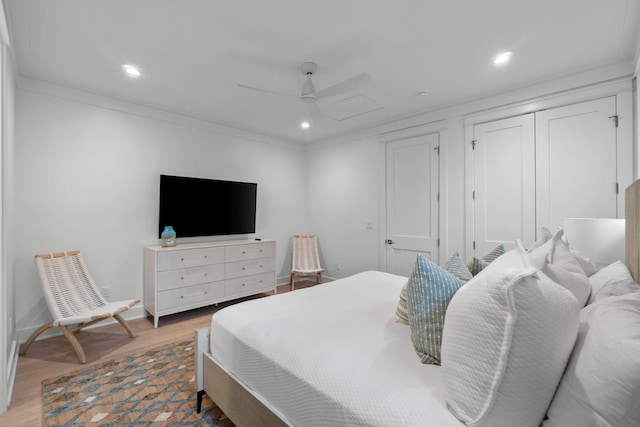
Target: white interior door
[
  {"x": 576, "y": 158},
  {"x": 412, "y": 201},
  {"x": 504, "y": 183}
]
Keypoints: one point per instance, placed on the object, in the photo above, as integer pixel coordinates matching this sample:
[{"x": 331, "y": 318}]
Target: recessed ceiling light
[
  {"x": 305, "y": 125},
  {"x": 422, "y": 94},
  {"x": 503, "y": 58},
  {"x": 131, "y": 70}
]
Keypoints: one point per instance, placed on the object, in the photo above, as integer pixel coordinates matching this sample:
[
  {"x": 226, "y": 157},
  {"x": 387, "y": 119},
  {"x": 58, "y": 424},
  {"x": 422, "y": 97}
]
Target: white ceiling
[{"x": 194, "y": 53}]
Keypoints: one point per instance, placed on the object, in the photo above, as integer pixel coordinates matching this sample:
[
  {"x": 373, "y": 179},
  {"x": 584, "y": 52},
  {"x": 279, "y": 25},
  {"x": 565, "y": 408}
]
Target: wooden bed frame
[
  {"x": 246, "y": 408},
  {"x": 632, "y": 233},
  {"x": 238, "y": 402}
]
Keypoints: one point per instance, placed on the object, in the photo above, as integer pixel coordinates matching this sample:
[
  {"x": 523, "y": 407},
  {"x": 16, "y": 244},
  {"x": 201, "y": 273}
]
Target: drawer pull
[
  {"x": 195, "y": 295},
  {"x": 194, "y": 276},
  {"x": 243, "y": 284},
  {"x": 181, "y": 259}
]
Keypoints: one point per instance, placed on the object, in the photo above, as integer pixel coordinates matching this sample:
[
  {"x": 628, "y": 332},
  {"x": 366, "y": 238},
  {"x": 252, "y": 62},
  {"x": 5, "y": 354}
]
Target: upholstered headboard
[{"x": 632, "y": 215}]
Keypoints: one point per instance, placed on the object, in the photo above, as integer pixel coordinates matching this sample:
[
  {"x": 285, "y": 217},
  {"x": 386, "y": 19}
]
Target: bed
[{"x": 333, "y": 355}]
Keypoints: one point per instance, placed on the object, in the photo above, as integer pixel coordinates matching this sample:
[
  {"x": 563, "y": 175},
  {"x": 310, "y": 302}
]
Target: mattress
[{"x": 331, "y": 355}]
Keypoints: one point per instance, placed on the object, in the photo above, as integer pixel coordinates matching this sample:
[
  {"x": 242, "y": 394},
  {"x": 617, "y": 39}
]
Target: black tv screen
[{"x": 206, "y": 207}]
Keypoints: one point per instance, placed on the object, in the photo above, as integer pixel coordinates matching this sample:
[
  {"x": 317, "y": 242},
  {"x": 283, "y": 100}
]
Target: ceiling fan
[{"x": 309, "y": 95}]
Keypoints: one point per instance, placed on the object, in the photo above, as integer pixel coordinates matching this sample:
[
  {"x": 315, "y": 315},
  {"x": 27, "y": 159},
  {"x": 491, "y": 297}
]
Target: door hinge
[
  {"x": 617, "y": 188},
  {"x": 438, "y": 196},
  {"x": 473, "y": 144},
  {"x": 474, "y": 244},
  {"x": 615, "y": 119},
  {"x": 473, "y": 195}
]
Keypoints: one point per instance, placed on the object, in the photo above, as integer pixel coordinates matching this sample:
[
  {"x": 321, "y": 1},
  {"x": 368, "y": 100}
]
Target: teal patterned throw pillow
[
  {"x": 429, "y": 290},
  {"x": 456, "y": 266}
]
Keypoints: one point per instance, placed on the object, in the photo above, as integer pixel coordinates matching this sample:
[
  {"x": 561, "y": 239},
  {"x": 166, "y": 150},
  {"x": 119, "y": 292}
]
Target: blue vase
[{"x": 168, "y": 236}]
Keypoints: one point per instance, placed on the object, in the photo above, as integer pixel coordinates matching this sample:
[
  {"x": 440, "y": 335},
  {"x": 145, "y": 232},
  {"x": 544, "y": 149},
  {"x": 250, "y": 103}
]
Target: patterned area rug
[{"x": 155, "y": 387}]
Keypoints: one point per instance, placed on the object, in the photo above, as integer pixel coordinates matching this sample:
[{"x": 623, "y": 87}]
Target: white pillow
[
  {"x": 507, "y": 336},
  {"x": 541, "y": 254},
  {"x": 556, "y": 260},
  {"x": 545, "y": 236},
  {"x": 587, "y": 264},
  {"x": 614, "y": 279},
  {"x": 601, "y": 385},
  {"x": 577, "y": 283}
]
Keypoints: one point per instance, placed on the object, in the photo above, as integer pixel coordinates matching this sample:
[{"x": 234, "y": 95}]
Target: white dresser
[{"x": 194, "y": 275}]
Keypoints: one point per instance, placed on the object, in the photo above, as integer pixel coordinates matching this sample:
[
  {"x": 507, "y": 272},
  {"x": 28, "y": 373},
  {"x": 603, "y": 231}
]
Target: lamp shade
[{"x": 601, "y": 239}]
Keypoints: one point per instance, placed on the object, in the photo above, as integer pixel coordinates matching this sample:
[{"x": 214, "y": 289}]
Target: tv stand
[{"x": 195, "y": 275}]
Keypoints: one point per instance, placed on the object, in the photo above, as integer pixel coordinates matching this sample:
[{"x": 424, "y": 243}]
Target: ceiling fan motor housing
[{"x": 309, "y": 68}]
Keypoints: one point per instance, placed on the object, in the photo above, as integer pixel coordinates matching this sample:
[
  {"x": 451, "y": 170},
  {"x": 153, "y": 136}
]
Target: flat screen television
[{"x": 206, "y": 207}]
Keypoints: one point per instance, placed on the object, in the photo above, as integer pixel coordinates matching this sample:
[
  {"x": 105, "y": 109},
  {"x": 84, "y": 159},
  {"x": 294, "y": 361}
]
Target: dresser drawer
[
  {"x": 249, "y": 267},
  {"x": 172, "y": 279},
  {"x": 173, "y": 259},
  {"x": 190, "y": 295},
  {"x": 250, "y": 284},
  {"x": 250, "y": 251}
]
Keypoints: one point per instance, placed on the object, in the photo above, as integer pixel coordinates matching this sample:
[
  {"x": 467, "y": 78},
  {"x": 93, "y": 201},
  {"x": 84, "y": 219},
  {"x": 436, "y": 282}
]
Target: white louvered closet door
[
  {"x": 576, "y": 156},
  {"x": 503, "y": 184},
  {"x": 412, "y": 175}
]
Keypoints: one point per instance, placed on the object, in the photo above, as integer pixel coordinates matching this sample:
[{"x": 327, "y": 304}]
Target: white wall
[
  {"x": 343, "y": 188},
  {"x": 88, "y": 178}
]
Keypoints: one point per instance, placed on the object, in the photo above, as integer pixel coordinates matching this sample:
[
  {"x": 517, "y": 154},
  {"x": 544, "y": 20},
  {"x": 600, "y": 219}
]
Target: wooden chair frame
[{"x": 73, "y": 299}]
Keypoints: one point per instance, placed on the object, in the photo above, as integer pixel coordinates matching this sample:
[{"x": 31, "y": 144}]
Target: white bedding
[{"x": 332, "y": 355}]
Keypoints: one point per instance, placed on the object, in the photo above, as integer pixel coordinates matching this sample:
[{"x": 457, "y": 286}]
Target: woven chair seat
[{"x": 110, "y": 309}]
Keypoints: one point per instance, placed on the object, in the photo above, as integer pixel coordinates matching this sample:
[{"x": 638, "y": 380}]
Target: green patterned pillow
[
  {"x": 429, "y": 290},
  {"x": 491, "y": 256},
  {"x": 476, "y": 265}
]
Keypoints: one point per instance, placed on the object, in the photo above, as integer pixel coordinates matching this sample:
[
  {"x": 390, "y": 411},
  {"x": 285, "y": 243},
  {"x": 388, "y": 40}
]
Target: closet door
[
  {"x": 412, "y": 202},
  {"x": 503, "y": 183},
  {"x": 576, "y": 162}
]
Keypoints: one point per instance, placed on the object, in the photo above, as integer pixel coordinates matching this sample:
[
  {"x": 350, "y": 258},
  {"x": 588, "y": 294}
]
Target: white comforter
[{"x": 332, "y": 355}]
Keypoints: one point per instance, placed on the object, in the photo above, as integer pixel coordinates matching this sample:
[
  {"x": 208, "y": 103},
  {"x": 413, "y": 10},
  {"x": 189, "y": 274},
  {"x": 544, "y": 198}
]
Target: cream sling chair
[
  {"x": 73, "y": 298},
  {"x": 305, "y": 260}
]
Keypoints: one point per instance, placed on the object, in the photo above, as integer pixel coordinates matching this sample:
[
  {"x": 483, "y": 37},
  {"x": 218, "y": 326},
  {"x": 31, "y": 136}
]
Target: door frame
[{"x": 439, "y": 128}]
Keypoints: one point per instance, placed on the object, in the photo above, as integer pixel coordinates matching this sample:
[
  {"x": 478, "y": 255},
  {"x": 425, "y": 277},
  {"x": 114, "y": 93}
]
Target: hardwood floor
[{"x": 54, "y": 356}]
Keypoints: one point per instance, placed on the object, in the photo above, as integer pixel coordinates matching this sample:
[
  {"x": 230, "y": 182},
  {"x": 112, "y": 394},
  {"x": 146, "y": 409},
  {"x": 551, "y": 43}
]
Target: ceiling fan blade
[
  {"x": 273, "y": 92},
  {"x": 348, "y": 85},
  {"x": 314, "y": 111}
]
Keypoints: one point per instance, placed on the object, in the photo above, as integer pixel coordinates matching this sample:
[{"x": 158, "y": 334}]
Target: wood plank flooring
[{"x": 54, "y": 356}]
